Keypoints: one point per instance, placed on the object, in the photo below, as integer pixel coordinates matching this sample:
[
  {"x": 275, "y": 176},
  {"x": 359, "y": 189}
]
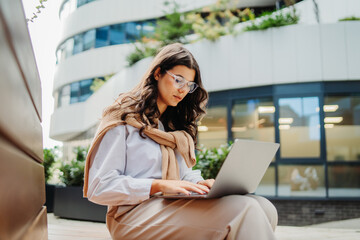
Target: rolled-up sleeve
[
  {"x": 187, "y": 173},
  {"x": 192, "y": 176},
  {"x": 107, "y": 183}
]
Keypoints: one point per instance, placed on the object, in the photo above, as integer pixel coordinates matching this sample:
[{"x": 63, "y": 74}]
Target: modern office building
[{"x": 297, "y": 85}]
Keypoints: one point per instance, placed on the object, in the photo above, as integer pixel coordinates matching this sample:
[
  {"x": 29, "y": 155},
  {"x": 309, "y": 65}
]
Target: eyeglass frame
[{"x": 183, "y": 83}]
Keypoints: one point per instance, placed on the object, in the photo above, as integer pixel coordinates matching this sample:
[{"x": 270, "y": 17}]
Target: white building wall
[
  {"x": 106, "y": 12},
  {"x": 292, "y": 54},
  {"x": 330, "y": 11},
  {"x": 96, "y": 62}
]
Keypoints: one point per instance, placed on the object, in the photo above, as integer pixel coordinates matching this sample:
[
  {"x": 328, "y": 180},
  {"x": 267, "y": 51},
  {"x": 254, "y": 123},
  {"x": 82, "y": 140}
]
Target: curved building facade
[{"x": 297, "y": 85}]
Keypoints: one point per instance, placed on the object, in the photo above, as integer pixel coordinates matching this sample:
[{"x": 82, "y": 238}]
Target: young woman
[{"x": 145, "y": 145}]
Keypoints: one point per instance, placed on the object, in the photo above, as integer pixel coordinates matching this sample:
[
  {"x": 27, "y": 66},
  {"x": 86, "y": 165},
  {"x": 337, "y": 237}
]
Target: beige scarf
[{"x": 169, "y": 141}]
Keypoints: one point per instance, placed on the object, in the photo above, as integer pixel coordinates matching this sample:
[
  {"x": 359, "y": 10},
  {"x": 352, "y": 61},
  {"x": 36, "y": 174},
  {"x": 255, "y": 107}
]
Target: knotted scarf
[{"x": 169, "y": 141}]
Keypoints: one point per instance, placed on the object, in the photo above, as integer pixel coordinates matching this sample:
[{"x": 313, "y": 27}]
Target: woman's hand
[
  {"x": 208, "y": 182},
  {"x": 177, "y": 186}
]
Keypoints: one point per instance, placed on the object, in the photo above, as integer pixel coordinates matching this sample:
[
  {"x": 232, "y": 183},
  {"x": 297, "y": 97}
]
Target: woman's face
[{"x": 169, "y": 94}]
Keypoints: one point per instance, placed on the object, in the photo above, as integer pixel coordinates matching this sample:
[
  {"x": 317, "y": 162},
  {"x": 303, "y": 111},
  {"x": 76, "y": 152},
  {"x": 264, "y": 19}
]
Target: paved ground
[{"x": 63, "y": 229}]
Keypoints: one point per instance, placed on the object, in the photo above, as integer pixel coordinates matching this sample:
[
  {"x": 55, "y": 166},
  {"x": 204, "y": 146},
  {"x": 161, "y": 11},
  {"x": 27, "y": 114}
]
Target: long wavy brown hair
[{"x": 142, "y": 100}]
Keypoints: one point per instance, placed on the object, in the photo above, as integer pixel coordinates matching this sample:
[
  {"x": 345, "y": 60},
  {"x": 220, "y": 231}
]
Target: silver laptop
[{"x": 242, "y": 170}]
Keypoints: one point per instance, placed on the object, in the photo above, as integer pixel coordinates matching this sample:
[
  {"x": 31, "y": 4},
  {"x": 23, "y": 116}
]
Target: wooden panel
[
  {"x": 19, "y": 121},
  {"x": 22, "y": 189},
  {"x": 13, "y": 16},
  {"x": 38, "y": 229}
]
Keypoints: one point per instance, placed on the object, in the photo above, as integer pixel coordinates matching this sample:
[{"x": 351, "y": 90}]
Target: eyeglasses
[{"x": 180, "y": 82}]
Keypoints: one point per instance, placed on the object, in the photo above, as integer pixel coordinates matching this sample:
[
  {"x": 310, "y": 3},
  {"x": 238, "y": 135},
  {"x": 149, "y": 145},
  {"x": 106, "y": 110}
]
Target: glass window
[
  {"x": 132, "y": 31},
  {"x": 299, "y": 127},
  {"x": 267, "y": 184},
  {"x": 89, "y": 39},
  {"x": 342, "y": 128},
  {"x": 301, "y": 180},
  {"x": 117, "y": 34},
  {"x": 85, "y": 91},
  {"x": 64, "y": 96},
  {"x": 254, "y": 119},
  {"x": 213, "y": 127},
  {"x": 147, "y": 28},
  {"x": 78, "y": 44},
  {"x": 69, "y": 45},
  {"x": 344, "y": 181},
  {"x": 60, "y": 54},
  {"x": 102, "y": 37},
  {"x": 81, "y": 2},
  {"x": 75, "y": 90}
]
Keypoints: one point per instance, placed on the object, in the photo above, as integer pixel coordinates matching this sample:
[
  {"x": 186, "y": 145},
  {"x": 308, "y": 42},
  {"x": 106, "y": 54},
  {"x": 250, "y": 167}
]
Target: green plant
[
  {"x": 274, "y": 20},
  {"x": 209, "y": 161},
  {"x": 72, "y": 173},
  {"x": 38, "y": 7},
  {"x": 175, "y": 26},
  {"x": 221, "y": 19},
  {"x": 172, "y": 28},
  {"x": 98, "y": 82},
  {"x": 352, "y": 18},
  {"x": 50, "y": 156},
  {"x": 142, "y": 50}
]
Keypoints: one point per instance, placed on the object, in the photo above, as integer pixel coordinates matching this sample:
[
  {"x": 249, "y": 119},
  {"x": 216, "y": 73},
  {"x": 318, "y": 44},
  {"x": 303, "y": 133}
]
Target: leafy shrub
[
  {"x": 275, "y": 20},
  {"x": 172, "y": 28},
  {"x": 72, "y": 173},
  {"x": 176, "y": 26},
  {"x": 352, "y": 18},
  {"x": 209, "y": 161},
  {"x": 98, "y": 82},
  {"x": 50, "y": 156},
  {"x": 142, "y": 50}
]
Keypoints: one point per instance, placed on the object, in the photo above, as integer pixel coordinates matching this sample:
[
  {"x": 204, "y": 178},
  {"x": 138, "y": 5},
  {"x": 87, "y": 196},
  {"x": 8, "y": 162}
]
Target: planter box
[
  {"x": 69, "y": 203},
  {"x": 50, "y": 192}
]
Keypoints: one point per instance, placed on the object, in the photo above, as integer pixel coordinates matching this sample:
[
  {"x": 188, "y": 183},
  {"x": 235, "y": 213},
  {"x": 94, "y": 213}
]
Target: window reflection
[
  {"x": 85, "y": 91},
  {"x": 300, "y": 180},
  {"x": 78, "y": 44},
  {"x": 299, "y": 127},
  {"x": 117, "y": 34},
  {"x": 69, "y": 45},
  {"x": 254, "y": 119},
  {"x": 89, "y": 39},
  {"x": 344, "y": 181},
  {"x": 342, "y": 128},
  {"x": 64, "y": 96},
  {"x": 267, "y": 184},
  {"x": 213, "y": 127},
  {"x": 104, "y": 36},
  {"x": 132, "y": 31},
  {"x": 75, "y": 92}
]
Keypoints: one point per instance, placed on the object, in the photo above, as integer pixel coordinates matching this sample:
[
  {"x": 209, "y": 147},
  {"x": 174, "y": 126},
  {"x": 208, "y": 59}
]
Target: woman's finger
[{"x": 197, "y": 188}]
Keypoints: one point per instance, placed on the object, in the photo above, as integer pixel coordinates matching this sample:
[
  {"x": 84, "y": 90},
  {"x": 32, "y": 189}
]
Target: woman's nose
[{"x": 182, "y": 90}]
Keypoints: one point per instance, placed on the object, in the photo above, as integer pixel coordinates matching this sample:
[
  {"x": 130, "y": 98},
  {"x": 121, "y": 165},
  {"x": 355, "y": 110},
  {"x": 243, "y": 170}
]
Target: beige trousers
[{"x": 232, "y": 217}]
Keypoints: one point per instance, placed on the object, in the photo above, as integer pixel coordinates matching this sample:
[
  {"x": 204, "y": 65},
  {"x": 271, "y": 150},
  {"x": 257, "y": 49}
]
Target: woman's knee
[{"x": 268, "y": 208}]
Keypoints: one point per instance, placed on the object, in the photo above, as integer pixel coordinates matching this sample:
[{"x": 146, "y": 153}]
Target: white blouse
[{"x": 124, "y": 166}]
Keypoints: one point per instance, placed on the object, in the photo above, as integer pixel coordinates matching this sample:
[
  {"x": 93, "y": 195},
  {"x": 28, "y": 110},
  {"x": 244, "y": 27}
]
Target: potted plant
[
  {"x": 69, "y": 201},
  {"x": 50, "y": 156}
]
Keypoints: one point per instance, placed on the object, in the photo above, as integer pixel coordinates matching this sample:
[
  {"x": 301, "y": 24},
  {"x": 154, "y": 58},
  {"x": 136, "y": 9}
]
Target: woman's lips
[{"x": 178, "y": 98}]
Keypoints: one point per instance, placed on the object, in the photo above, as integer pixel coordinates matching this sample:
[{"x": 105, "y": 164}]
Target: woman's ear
[{"x": 157, "y": 73}]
